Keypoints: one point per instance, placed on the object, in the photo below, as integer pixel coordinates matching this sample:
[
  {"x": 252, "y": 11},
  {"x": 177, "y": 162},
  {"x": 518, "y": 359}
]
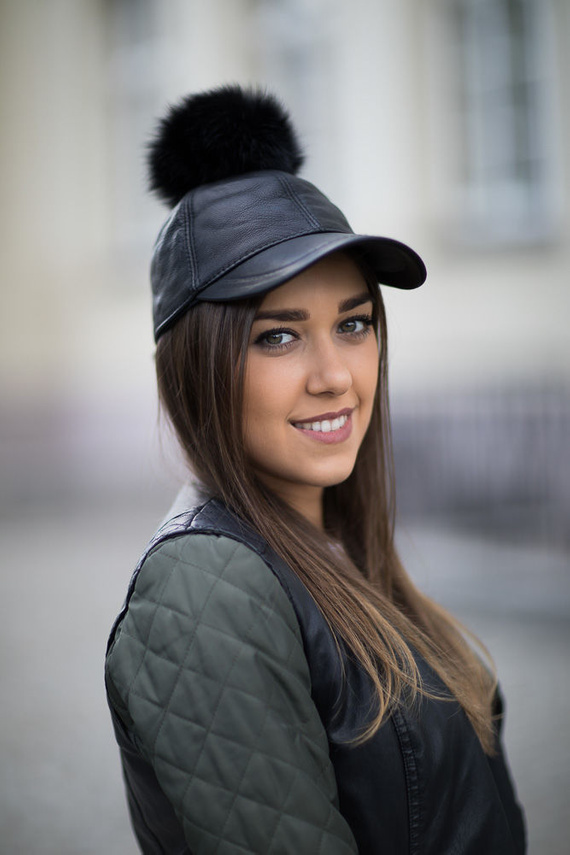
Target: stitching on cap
[
  {"x": 299, "y": 203},
  {"x": 188, "y": 227},
  {"x": 187, "y": 221}
]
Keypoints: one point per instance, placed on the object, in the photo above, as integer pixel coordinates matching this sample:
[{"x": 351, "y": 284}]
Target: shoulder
[
  {"x": 201, "y": 558},
  {"x": 203, "y": 600},
  {"x": 203, "y": 574}
]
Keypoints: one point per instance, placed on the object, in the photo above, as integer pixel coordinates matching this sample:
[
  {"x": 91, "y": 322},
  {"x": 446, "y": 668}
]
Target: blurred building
[{"x": 445, "y": 123}]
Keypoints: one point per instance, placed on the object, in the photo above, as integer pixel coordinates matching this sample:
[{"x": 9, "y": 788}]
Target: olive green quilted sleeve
[{"x": 210, "y": 675}]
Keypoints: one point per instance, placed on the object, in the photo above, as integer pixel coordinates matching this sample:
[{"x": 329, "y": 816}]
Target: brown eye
[
  {"x": 351, "y": 326},
  {"x": 276, "y": 339},
  {"x": 356, "y": 326}
]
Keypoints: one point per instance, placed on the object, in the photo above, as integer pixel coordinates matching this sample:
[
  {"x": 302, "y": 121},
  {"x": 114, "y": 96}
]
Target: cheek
[
  {"x": 365, "y": 370},
  {"x": 269, "y": 394},
  {"x": 265, "y": 408}
]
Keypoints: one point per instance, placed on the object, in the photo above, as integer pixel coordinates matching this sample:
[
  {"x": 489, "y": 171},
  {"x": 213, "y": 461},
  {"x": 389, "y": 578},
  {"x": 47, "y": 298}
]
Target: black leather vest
[{"x": 422, "y": 785}]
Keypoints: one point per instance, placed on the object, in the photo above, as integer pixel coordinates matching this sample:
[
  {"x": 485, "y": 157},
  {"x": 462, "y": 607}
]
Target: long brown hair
[{"x": 362, "y": 590}]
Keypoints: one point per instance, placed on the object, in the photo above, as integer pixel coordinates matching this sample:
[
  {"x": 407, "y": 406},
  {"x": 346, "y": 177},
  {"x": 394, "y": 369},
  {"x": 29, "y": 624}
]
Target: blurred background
[{"x": 445, "y": 123}]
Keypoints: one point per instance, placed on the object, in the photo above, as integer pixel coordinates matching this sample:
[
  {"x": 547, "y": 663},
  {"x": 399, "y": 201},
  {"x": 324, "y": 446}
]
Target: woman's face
[{"x": 311, "y": 375}]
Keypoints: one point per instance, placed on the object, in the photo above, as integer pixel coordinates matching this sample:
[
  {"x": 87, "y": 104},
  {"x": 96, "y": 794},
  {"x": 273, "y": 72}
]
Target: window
[{"x": 500, "y": 62}]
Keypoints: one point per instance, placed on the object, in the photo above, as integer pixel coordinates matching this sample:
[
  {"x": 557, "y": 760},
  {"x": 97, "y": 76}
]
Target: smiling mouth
[{"x": 324, "y": 425}]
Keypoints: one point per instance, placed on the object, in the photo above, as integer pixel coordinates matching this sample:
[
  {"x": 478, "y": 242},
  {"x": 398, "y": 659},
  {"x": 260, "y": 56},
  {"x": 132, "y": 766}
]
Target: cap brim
[{"x": 394, "y": 264}]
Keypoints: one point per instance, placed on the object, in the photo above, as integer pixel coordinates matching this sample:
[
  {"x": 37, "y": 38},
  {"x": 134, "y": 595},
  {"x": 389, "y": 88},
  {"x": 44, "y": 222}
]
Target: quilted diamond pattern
[{"x": 210, "y": 666}]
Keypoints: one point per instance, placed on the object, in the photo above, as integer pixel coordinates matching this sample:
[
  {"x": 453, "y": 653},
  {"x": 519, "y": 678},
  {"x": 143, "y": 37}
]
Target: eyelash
[{"x": 261, "y": 340}]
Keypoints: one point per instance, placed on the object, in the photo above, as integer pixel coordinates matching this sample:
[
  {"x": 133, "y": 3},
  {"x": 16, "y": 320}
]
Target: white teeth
[{"x": 325, "y": 426}]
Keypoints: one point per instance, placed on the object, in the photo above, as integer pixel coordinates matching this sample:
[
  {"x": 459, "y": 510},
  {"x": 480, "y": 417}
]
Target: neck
[
  {"x": 309, "y": 506},
  {"x": 306, "y": 500}
]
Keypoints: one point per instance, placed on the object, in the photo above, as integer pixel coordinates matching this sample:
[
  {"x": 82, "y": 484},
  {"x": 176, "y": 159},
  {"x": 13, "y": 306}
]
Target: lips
[
  {"x": 324, "y": 425},
  {"x": 327, "y": 427}
]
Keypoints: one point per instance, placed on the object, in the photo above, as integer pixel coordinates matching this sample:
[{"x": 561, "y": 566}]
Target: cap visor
[{"x": 393, "y": 263}]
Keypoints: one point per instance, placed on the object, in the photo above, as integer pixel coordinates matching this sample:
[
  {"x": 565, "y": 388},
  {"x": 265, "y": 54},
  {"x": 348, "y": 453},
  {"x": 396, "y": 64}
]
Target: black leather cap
[{"x": 244, "y": 236}]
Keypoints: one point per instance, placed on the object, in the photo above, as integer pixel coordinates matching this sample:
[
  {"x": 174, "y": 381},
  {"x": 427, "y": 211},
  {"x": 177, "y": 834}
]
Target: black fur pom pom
[{"x": 218, "y": 134}]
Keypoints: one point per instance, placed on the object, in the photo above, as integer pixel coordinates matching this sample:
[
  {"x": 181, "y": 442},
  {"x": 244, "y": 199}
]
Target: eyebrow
[
  {"x": 353, "y": 302},
  {"x": 292, "y": 315}
]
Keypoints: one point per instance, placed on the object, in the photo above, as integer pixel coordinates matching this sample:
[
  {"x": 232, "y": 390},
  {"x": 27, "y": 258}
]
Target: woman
[{"x": 276, "y": 682}]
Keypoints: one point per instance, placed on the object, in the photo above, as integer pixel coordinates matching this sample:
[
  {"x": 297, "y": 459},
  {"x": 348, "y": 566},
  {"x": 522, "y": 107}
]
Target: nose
[{"x": 327, "y": 372}]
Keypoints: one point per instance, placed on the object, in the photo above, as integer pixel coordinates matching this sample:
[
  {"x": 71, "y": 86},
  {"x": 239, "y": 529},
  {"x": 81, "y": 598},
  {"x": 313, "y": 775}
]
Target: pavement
[{"x": 64, "y": 576}]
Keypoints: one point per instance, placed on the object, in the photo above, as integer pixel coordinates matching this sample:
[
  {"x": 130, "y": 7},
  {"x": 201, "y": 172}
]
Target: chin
[{"x": 331, "y": 479}]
